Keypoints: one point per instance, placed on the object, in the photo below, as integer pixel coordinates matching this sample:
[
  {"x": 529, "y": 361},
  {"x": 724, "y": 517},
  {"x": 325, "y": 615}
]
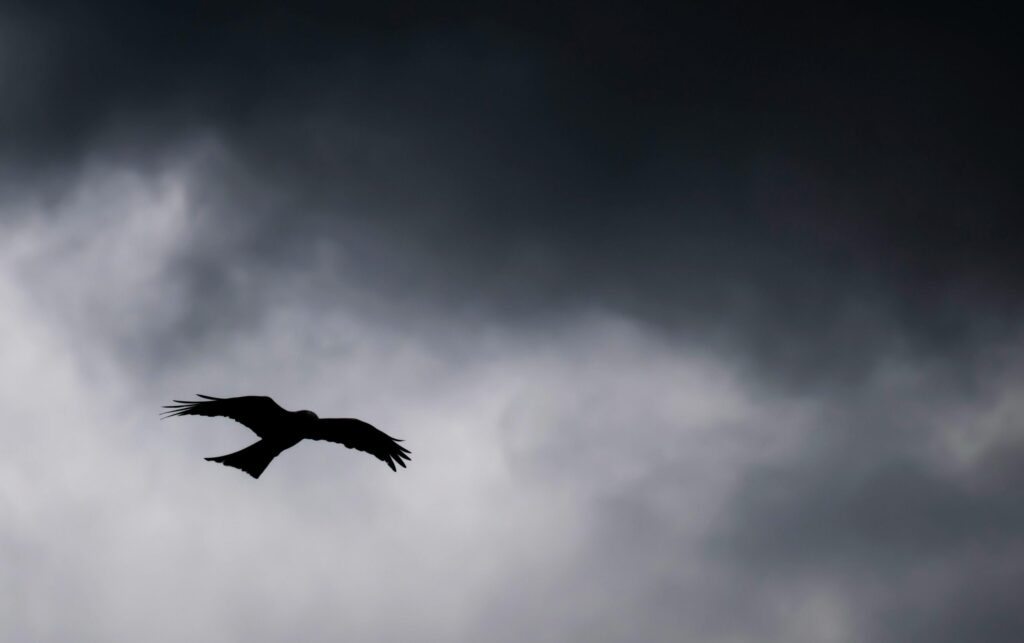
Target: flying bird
[{"x": 280, "y": 429}]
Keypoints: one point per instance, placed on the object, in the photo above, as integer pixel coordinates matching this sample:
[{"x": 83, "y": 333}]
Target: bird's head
[{"x": 309, "y": 415}]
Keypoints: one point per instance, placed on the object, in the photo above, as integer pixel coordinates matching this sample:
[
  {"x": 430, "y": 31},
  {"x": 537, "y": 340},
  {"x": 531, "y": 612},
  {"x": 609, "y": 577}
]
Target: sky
[{"x": 701, "y": 324}]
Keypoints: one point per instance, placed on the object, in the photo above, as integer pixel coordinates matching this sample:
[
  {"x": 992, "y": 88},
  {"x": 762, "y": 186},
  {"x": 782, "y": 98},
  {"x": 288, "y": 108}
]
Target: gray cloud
[
  {"x": 109, "y": 541},
  {"x": 903, "y": 499}
]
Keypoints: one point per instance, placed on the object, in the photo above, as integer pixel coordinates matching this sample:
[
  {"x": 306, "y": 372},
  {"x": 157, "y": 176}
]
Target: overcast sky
[{"x": 701, "y": 325}]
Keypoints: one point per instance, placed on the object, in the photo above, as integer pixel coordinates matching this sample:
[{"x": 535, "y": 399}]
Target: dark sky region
[{"x": 702, "y": 323}]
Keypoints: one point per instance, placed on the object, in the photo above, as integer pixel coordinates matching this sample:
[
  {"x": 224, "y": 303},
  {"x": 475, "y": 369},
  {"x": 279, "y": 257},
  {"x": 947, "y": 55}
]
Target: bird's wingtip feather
[{"x": 219, "y": 459}]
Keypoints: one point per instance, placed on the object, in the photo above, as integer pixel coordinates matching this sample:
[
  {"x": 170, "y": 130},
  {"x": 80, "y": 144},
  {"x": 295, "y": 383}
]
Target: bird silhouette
[{"x": 280, "y": 429}]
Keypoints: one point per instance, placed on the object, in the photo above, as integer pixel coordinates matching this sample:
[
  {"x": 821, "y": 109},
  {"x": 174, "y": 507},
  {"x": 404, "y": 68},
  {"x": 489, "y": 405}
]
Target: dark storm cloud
[{"x": 802, "y": 183}]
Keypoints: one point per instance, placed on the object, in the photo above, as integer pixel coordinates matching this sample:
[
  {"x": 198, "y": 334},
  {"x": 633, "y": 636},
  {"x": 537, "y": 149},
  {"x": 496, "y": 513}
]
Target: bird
[{"x": 279, "y": 429}]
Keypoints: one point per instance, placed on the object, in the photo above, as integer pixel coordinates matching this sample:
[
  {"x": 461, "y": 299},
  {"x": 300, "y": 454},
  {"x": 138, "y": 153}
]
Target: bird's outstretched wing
[
  {"x": 356, "y": 434},
  {"x": 258, "y": 412}
]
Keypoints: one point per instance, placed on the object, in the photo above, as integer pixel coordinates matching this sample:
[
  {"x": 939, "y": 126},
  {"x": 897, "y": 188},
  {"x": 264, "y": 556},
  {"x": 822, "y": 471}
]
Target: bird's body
[{"x": 279, "y": 429}]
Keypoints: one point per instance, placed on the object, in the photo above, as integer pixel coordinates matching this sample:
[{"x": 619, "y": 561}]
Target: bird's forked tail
[{"x": 254, "y": 458}]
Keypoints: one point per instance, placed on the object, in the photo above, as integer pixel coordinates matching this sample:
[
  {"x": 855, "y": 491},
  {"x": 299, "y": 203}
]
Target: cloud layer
[{"x": 701, "y": 325}]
